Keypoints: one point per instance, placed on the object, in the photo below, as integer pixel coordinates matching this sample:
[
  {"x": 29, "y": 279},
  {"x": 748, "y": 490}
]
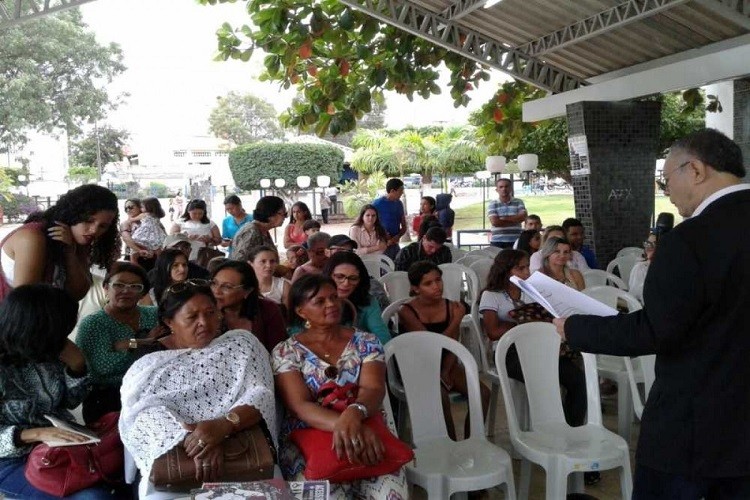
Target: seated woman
[
  {"x": 429, "y": 311},
  {"x": 296, "y": 255},
  {"x": 640, "y": 269},
  {"x": 530, "y": 241},
  {"x": 264, "y": 261},
  {"x": 41, "y": 373},
  {"x": 353, "y": 284},
  {"x": 198, "y": 390},
  {"x": 556, "y": 254},
  {"x": 368, "y": 232},
  {"x": 171, "y": 267},
  {"x": 235, "y": 288},
  {"x": 149, "y": 233},
  {"x": 110, "y": 337},
  {"x": 326, "y": 350}
]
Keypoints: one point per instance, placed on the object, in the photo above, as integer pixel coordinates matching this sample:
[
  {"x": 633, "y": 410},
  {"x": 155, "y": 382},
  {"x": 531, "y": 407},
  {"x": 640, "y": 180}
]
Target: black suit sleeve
[{"x": 674, "y": 294}]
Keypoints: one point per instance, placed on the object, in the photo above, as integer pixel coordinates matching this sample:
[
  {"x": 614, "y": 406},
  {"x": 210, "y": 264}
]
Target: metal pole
[
  {"x": 98, "y": 153},
  {"x": 484, "y": 203}
]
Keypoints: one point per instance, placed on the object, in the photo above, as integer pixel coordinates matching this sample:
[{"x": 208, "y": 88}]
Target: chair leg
[
  {"x": 525, "y": 479},
  {"x": 624, "y": 407},
  {"x": 492, "y": 413},
  {"x": 576, "y": 483},
  {"x": 626, "y": 479},
  {"x": 557, "y": 484},
  {"x": 509, "y": 489}
]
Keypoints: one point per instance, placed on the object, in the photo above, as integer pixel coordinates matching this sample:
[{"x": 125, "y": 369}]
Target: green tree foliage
[
  {"x": 110, "y": 144},
  {"x": 82, "y": 174},
  {"x": 244, "y": 118},
  {"x": 250, "y": 163},
  {"x": 340, "y": 60},
  {"x": 52, "y": 76},
  {"x": 678, "y": 118}
]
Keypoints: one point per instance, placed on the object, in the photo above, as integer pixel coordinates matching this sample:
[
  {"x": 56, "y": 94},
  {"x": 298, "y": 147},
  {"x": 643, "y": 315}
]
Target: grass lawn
[{"x": 553, "y": 209}]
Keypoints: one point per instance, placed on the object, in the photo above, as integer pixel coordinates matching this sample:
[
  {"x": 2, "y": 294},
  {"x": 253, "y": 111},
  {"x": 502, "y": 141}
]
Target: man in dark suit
[{"x": 695, "y": 433}]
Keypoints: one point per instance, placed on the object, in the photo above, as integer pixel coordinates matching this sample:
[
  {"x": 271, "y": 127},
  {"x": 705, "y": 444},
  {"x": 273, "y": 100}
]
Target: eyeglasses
[
  {"x": 224, "y": 287},
  {"x": 664, "y": 185},
  {"x": 131, "y": 287},
  {"x": 187, "y": 284},
  {"x": 340, "y": 278}
]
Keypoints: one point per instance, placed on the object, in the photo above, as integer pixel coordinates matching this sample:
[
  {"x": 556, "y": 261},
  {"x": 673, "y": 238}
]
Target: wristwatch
[
  {"x": 132, "y": 344},
  {"x": 362, "y": 409},
  {"x": 233, "y": 417}
]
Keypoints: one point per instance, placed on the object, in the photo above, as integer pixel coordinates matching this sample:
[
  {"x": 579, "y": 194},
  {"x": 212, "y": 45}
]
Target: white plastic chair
[
  {"x": 453, "y": 285},
  {"x": 623, "y": 265},
  {"x": 596, "y": 277},
  {"x": 390, "y": 314},
  {"x": 396, "y": 284},
  {"x": 491, "y": 251},
  {"x": 444, "y": 466},
  {"x": 456, "y": 253},
  {"x": 641, "y": 369},
  {"x": 482, "y": 268},
  {"x": 613, "y": 367},
  {"x": 378, "y": 264},
  {"x": 637, "y": 251},
  {"x": 551, "y": 442},
  {"x": 469, "y": 259}
]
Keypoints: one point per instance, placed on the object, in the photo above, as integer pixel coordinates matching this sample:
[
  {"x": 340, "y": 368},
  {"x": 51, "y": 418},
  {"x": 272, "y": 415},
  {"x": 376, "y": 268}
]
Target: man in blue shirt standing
[
  {"x": 506, "y": 216},
  {"x": 234, "y": 221},
  {"x": 391, "y": 214}
]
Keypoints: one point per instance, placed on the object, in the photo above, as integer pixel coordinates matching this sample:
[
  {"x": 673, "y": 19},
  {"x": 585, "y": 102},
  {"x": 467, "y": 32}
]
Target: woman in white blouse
[
  {"x": 368, "y": 232},
  {"x": 196, "y": 225},
  {"x": 640, "y": 269},
  {"x": 501, "y": 296}
]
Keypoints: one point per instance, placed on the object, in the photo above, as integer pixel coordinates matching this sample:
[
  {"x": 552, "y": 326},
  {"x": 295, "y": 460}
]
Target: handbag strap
[{"x": 334, "y": 395}]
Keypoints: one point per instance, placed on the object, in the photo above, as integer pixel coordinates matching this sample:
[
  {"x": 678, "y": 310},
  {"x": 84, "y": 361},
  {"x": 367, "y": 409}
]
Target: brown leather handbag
[{"x": 248, "y": 456}]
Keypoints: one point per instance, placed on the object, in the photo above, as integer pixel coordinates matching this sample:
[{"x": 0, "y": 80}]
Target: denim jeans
[{"x": 13, "y": 484}]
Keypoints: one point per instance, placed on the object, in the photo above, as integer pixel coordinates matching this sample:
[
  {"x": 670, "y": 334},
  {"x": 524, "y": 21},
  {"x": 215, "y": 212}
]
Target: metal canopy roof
[
  {"x": 22, "y": 10},
  {"x": 564, "y": 45}
]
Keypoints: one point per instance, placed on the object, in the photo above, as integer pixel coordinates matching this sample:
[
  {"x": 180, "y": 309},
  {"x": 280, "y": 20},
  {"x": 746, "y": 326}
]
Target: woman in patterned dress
[
  {"x": 198, "y": 389},
  {"x": 325, "y": 350}
]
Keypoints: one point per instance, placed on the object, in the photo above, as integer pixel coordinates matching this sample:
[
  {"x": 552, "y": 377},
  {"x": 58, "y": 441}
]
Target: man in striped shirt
[{"x": 506, "y": 216}]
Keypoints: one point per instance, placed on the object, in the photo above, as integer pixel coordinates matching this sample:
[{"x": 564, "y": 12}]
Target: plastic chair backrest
[
  {"x": 647, "y": 366},
  {"x": 538, "y": 346},
  {"x": 610, "y": 295},
  {"x": 378, "y": 265},
  {"x": 418, "y": 355},
  {"x": 453, "y": 278},
  {"x": 491, "y": 251},
  {"x": 468, "y": 260},
  {"x": 396, "y": 284},
  {"x": 623, "y": 265},
  {"x": 456, "y": 252},
  {"x": 596, "y": 277},
  {"x": 472, "y": 339},
  {"x": 390, "y": 313},
  {"x": 482, "y": 268},
  {"x": 637, "y": 251}
]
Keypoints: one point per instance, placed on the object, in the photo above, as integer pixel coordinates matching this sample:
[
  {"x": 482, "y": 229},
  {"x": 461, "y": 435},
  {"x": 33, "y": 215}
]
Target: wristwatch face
[{"x": 233, "y": 417}]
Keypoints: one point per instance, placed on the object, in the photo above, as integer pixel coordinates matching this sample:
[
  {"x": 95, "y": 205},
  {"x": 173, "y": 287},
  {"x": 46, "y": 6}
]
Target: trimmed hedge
[{"x": 250, "y": 163}]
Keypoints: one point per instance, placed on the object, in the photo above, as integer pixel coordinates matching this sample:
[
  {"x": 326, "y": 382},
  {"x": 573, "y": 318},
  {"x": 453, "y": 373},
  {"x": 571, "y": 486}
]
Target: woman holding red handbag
[
  {"x": 332, "y": 378},
  {"x": 41, "y": 373}
]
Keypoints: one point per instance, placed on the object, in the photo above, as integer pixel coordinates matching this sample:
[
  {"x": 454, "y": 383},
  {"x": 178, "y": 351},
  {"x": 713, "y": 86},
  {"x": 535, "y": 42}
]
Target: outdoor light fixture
[
  {"x": 265, "y": 183},
  {"x": 303, "y": 181},
  {"x": 528, "y": 162},
  {"x": 279, "y": 183},
  {"x": 323, "y": 181},
  {"x": 495, "y": 164}
]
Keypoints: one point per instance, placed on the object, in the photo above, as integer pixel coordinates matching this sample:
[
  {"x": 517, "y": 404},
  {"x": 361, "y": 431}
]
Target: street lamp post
[
  {"x": 323, "y": 181},
  {"x": 264, "y": 184},
  {"x": 483, "y": 175},
  {"x": 304, "y": 181}
]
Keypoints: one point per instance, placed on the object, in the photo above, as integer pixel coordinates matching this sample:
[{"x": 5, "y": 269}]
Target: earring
[{"x": 307, "y": 324}]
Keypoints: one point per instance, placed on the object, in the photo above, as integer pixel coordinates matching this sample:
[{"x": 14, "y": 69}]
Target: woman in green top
[{"x": 108, "y": 338}]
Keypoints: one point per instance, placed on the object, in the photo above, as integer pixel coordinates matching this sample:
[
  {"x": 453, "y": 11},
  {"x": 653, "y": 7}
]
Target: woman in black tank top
[{"x": 428, "y": 310}]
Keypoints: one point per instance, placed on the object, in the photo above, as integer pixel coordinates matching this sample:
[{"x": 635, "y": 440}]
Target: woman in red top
[{"x": 294, "y": 234}]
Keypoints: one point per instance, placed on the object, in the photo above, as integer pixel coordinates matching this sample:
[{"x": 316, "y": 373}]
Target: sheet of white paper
[
  {"x": 71, "y": 427},
  {"x": 559, "y": 299}
]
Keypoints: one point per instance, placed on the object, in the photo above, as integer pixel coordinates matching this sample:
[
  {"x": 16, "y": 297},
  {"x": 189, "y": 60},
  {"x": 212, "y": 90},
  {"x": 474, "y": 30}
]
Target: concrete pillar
[
  {"x": 741, "y": 116},
  {"x": 613, "y": 148}
]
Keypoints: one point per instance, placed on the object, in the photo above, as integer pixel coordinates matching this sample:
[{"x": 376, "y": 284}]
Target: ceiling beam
[
  {"x": 601, "y": 22},
  {"x": 735, "y": 11},
  {"x": 725, "y": 60},
  {"x": 25, "y": 10},
  {"x": 470, "y": 44},
  {"x": 462, "y": 8}
]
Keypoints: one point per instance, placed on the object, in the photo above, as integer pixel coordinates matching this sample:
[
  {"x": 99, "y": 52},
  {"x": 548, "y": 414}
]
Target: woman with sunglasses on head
[
  {"x": 196, "y": 392},
  {"x": 110, "y": 337},
  {"x": 59, "y": 246},
  {"x": 196, "y": 225},
  {"x": 171, "y": 267},
  {"x": 270, "y": 212},
  {"x": 294, "y": 234},
  {"x": 353, "y": 284},
  {"x": 325, "y": 351},
  {"x": 237, "y": 294}
]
